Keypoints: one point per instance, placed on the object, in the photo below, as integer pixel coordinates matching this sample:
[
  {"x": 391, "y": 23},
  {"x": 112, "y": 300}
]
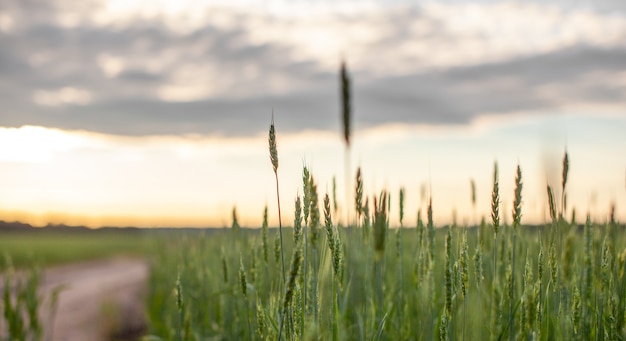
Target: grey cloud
[
  {"x": 70, "y": 58},
  {"x": 128, "y": 104},
  {"x": 563, "y": 65},
  {"x": 458, "y": 95},
  {"x": 218, "y": 117},
  {"x": 139, "y": 76}
]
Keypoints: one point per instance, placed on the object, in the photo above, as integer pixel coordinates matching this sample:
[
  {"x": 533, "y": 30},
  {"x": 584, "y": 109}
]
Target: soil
[{"x": 98, "y": 300}]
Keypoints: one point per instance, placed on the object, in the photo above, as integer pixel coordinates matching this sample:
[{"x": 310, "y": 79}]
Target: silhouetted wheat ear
[
  {"x": 345, "y": 101},
  {"x": 273, "y": 149},
  {"x": 401, "y": 205},
  {"x": 380, "y": 224},
  {"x": 564, "y": 183},
  {"x": 473, "y": 188},
  {"x": 358, "y": 197},
  {"x": 565, "y": 171},
  {"x": 551, "y": 204},
  {"x": 235, "y": 224}
]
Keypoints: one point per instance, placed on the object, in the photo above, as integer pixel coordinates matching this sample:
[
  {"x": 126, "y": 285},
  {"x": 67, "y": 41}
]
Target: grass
[
  {"x": 25, "y": 253},
  {"x": 50, "y": 248}
]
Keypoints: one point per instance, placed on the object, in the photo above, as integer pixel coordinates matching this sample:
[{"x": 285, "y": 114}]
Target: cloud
[
  {"x": 118, "y": 68},
  {"x": 63, "y": 96},
  {"x": 458, "y": 95}
]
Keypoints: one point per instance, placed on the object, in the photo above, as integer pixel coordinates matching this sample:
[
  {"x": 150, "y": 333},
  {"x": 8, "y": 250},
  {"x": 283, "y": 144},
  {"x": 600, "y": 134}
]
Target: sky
[{"x": 156, "y": 113}]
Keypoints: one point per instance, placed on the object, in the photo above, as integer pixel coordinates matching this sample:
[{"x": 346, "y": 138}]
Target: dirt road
[{"x": 100, "y": 300}]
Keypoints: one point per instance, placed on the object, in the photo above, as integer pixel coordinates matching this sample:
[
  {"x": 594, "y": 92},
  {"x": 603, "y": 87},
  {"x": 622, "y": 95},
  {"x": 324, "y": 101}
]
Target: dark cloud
[
  {"x": 250, "y": 79},
  {"x": 563, "y": 65},
  {"x": 221, "y": 117},
  {"x": 139, "y": 76},
  {"x": 458, "y": 95}
]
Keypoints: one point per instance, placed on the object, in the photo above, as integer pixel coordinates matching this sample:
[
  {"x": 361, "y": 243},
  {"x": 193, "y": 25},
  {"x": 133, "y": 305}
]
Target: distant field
[{"x": 49, "y": 248}]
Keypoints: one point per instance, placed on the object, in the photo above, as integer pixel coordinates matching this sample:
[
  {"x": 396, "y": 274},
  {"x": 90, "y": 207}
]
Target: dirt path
[{"x": 101, "y": 300}]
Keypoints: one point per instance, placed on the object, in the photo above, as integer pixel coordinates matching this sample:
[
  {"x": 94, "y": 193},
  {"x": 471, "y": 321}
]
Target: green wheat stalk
[
  {"x": 296, "y": 261},
  {"x": 517, "y": 216},
  {"x": 380, "y": 230},
  {"x": 334, "y": 247},
  {"x": 274, "y": 160}
]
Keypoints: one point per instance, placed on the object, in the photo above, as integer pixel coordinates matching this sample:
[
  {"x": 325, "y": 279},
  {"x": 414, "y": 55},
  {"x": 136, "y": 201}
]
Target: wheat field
[{"x": 317, "y": 280}]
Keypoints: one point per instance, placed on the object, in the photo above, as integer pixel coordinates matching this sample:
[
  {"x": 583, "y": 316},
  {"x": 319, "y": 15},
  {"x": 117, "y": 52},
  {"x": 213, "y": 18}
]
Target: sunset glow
[{"x": 95, "y": 179}]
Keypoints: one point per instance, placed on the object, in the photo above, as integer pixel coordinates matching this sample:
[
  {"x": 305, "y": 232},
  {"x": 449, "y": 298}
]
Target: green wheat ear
[
  {"x": 264, "y": 232},
  {"x": 464, "y": 264},
  {"x": 358, "y": 198},
  {"x": 517, "y": 203},
  {"x": 243, "y": 282},
  {"x": 478, "y": 263},
  {"x": 261, "y": 321},
  {"x": 328, "y": 222},
  {"x": 306, "y": 184},
  {"x": 314, "y": 212},
  {"x": 495, "y": 201},
  {"x": 330, "y": 235},
  {"x": 448, "y": 273},
  {"x": 297, "y": 221}
]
